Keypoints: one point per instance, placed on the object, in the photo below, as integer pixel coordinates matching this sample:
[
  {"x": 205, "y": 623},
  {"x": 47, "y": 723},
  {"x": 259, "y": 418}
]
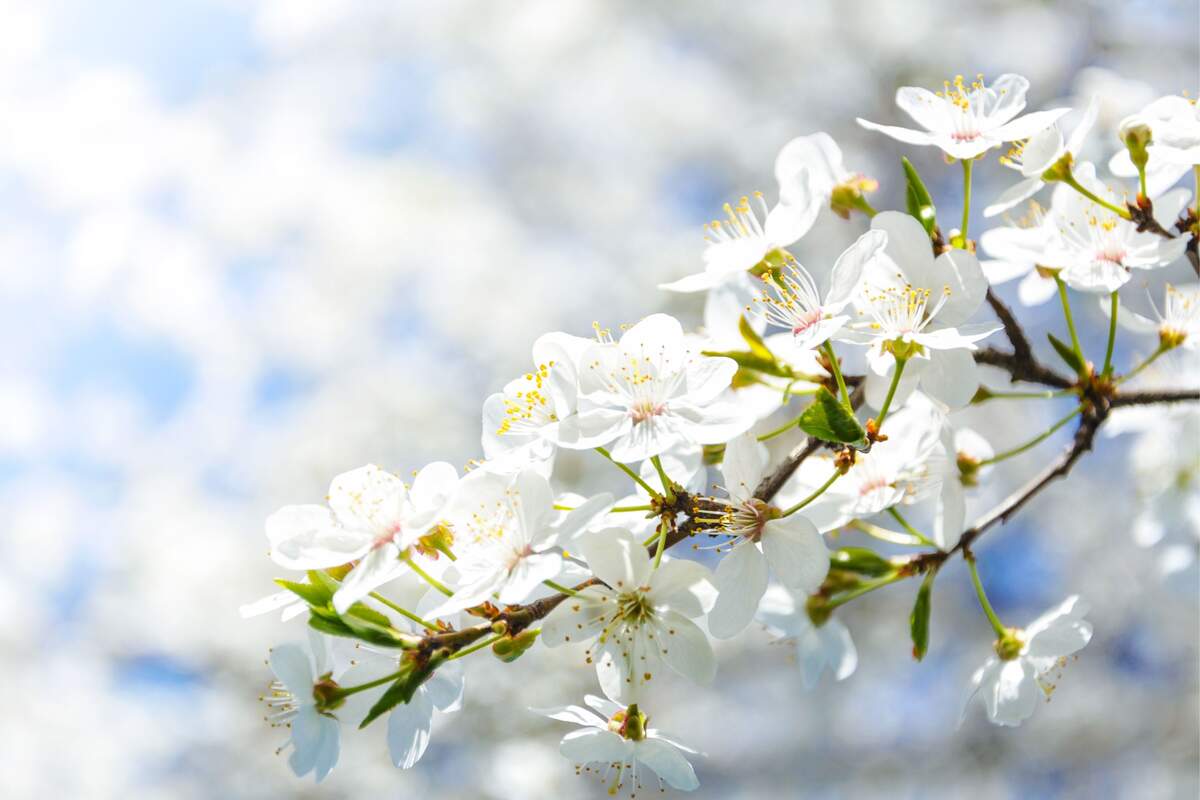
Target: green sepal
[
  {"x": 1066, "y": 353},
  {"x": 415, "y": 672},
  {"x": 827, "y": 419}
]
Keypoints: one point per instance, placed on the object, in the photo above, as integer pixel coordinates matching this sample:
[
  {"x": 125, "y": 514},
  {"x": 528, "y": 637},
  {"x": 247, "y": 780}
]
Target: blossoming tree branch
[{"x": 402, "y": 586}]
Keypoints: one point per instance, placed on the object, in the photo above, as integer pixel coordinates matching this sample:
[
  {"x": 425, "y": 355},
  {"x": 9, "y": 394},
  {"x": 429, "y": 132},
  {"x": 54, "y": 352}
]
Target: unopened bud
[
  {"x": 1136, "y": 135},
  {"x": 511, "y": 648}
]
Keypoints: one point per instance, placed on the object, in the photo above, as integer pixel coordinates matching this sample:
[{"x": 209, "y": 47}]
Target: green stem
[
  {"x": 466, "y": 651},
  {"x": 836, "y": 369},
  {"x": 404, "y": 612},
  {"x": 1016, "y": 451},
  {"x": 864, "y": 588},
  {"x": 787, "y": 426},
  {"x": 636, "y": 478},
  {"x": 346, "y": 691},
  {"x": 922, "y": 538},
  {"x": 662, "y": 475},
  {"x": 1046, "y": 395},
  {"x": 1066, "y": 305},
  {"x": 863, "y": 205},
  {"x": 997, "y": 625},
  {"x": 820, "y": 491},
  {"x": 966, "y": 217},
  {"x": 1150, "y": 360},
  {"x": 1112, "y": 335},
  {"x": 887, "y": 402},
  {"x": 884, "y": 534},
  {"x": 558, "y": 587},
  {"x": 425, "y": 576},
  {"x": 1141, "y": 168},
  {"x": 662, "y": 542},
  {"x": 1070, "y": 180}
]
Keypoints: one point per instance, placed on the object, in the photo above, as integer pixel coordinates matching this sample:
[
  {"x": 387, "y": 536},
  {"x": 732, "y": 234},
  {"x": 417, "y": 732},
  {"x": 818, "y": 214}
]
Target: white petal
[
  {"x": 616, "y": 558},
  {"x": 951, "y": 376},
  {"x": 906, "y": 135},
  {"x": 1014, "y": 695},
  {"x": 408, "y": 730},
  {"x": 1028, "y": 125},
  {"x": 528, "y": 574},
  {"x": 367, "y": 497},
  {"x": 378, "y": 567},
  {"x": 434, "y": 486},
  {"x": 787, "y": 222},
  {"x": 668, "y": 763},
  {"x": 1035, "y": 290},
  {"x": 308, "y": 537},
  {"x": 292, "y": 666},
  {"x": 951, "y": 513},
  {"x": 1014, "y": 195},
  {"x": 741, "y": 579},
  {"x": 796, "y": 553},
  {"x": 590, "y": 745},
  {"x": 707, "y": 377},
  {"x": 576, "y": 714},
  {"x": 743, "y": 466},
  {"x": 927, "y": 109},
  {"x": 575, "y": 619},
  {"x": 699, "y": 282},
  {"x": 909, "y": 246},
  {"x": 1003, "y": 271},
  {"x": 959, "y": 271},
  {"x": 445, "y": 687},
  {"x": 848, "y": 270},
  {"x": 839, "y": 646},
  {"x": 685, "y": 648},
  {"x": 675, "y": 582}
]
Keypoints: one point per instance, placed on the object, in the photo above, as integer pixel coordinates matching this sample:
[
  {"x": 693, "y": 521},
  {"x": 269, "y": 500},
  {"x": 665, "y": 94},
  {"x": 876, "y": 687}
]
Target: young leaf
[
  {"x": 917, "y": 198},
  {"x": 314, "y": 595},
  {"x": 862, "y": 561},
  {"x": 415, "y": 672},
  {"x": 1066, "y": 353},
  {"x": 829, "y": 420},
  {"x": 757, "y": 346},
  {"x": 918, "y": 620},
  {"x": 747, "y": 359}
]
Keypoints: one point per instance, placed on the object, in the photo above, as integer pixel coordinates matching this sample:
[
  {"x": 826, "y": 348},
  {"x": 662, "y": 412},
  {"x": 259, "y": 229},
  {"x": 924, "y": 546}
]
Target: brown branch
[
  {"x": 1022, "y": 351},
  {"x": 1030, "y": 370},
  {"x": 1147, "y": 398}
]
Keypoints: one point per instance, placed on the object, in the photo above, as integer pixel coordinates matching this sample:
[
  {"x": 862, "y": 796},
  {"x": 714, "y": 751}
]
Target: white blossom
[
  {"x": 1174, "y": 150},
  {"x": 827, "y": 646}
]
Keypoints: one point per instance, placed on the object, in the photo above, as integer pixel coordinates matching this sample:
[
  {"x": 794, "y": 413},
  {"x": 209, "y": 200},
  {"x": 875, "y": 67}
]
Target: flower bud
[
  {"x": 511, "y": 648},
  {"x": 1009, "y": 645},
  {"x": 1136, "y": 134},
  {"x": 848, "y": 197}
]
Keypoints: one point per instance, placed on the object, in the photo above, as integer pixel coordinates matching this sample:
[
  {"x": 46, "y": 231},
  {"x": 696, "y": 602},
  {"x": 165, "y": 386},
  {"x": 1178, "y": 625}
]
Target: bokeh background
[{"x": 247, "y": 245}]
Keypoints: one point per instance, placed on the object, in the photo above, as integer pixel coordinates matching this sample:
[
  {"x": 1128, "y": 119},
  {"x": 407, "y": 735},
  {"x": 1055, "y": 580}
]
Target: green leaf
[
  {"x": 757, "y": 346},
  {"x": 918, "y": 620},
  {"x": 314, "y": 595},
  {"x": 829, "y": 420},
  {"x": 416, "y": 672},
  {"x": 917, "y": 198},
  {"x": 333, "y": 627},
  {"x": 319, "y": 578},
  {"x": 371, "y": 626},
  {"x": 747, "y": 359},
  {"x": 1066, "y": 353},
  {"x": 862, "y": 561}
]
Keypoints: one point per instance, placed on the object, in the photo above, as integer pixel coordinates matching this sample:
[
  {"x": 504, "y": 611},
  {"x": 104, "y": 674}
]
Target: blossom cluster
[{"x": 401, "y": 581}]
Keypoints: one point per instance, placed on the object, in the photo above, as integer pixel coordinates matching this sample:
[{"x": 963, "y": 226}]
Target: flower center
[
  {"x": 642, "y": 410},
  {"x": 904, "y": 310},
  {"x": 528, "y": 409}
]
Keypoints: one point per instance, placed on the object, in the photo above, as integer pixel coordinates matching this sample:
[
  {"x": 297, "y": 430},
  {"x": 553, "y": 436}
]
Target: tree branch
[
  {"x": 1030, "y": 369},
  {"x": 1147, "y": 398}
]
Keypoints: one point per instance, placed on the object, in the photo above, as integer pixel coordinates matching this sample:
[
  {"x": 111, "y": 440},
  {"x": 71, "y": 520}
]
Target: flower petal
[
  {"x": 408, "y": 730},
  {"x": 741, "y": 579},
  {"x": 668, "y": 763},
  {"x": 796, "y": 553}
]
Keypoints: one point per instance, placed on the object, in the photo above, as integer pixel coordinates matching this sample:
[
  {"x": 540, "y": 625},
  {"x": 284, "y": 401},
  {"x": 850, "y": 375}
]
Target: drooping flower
[
  {"x": 818, "y": 158},
  {"x": 651, "y": 393},
  {"x": 918, "y": 306},
  {"x": 1174, "y": 148},
  {"x": 639, "y": 622},
  {"x": 1095, "y": 248},
  {"x": 617, "y": 743},
  {"x": 372, "y": 518},
  {"x": 294, "y": 701},
  {"x": 1010, "y": 682},
  {"x": 506, "y": 535},
  {"x": 792, "y": 300},
  {"x": 827, "y": 646},
  {"x": 759, "y": 539},
  {"x": 741, "y": 241},
  {"x": 965, "y": 121},
  {"x": 1039, "y": 153},
  {"x": 962, "y": 452}
]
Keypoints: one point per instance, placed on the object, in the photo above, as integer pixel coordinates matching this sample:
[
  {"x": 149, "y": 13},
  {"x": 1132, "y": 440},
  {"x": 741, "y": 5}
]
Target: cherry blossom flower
[
  {"x": 521, "y": 423},
  {"x": 741, "y": 241},
  {"x": 505, "y": 535},
  {"x": 792, "y": 300},
  {"x": 314, "y": 732},
  {"x": 1011, "y": 681},
  {"x": 1016, "y": 250},
  {"x": 965, "y": 121},
  {"x": 617, "y": 738},
  {"x": 1174, "y": 149},
  {"x": 640, "y": 621},
  {"x": 827, "y": 646},
  {"x": 818, "y": 158},
  {"x": 1039, "y": 153},
  {"x": 1095, "y": 248},
  {"x": 759, "y": 538},
  {"x": 961, "y": 452},
  {"x": 651, "y": 393},
  {"x": 919, "y": 305},
  {"x": 372, "y": 518},
  {"x": 1177, "y": 324}
]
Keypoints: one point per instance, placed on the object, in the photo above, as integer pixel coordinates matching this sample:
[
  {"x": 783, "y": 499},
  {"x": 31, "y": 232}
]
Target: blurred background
[{"x": 245, "y": 246}]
